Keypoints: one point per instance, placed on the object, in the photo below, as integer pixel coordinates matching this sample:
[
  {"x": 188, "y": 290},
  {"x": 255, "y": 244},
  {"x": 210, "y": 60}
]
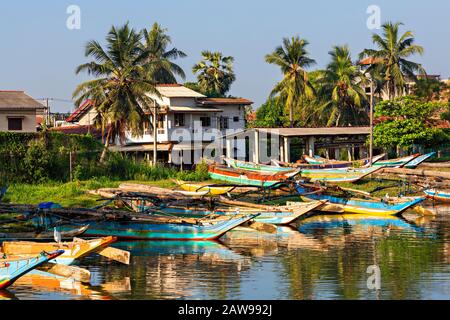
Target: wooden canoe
[
  {"x": 13, "y": 268},
  {"x": 44, "y": 235},
  {"x": 238, "y": 164},
  {"x": 76, "y": 249},
  {"x": 417, "y": 161},
  {"x": 337, "y": 175},
  {"x": 201, "y": 187},
  {"x": 396, "y": 163},
  {"x": 392, "y": 206},
  {"x": 438, "y": 195},
  {"x": 246, "y": 177}
]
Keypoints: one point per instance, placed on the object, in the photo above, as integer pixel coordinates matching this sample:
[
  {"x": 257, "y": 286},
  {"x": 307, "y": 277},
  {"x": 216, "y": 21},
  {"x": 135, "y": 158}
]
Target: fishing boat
[
  {"x": 278, "y": 215},
  {"x": 239, "y": 164},
  {"x": 337, "y": 175},
  {"x": 246, "y": 177},
  {"x": 415, "y": 162},
  {"x": 368, "y": 205},
  {"x": 76, "y": 249},
  {"x": 396, "y": 163},
  {"x": 438, "y": 195},
  {"x": 46, "y": 235},
  {"x": 201, "y": 187},
  {"x": 331, "y": 164},
  {"x": 12, "y": 268}
]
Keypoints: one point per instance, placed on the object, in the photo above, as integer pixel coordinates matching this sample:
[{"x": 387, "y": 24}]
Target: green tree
[
  {"x": 214, "y": 73},
  {"x": 407, "y": 121},
  {"x": 391, "y": 58},
  {"x": 293, "y": 59},
  {"x": 163, "y": 69},
  {"x": 119, "y": 90},
  {"x": 271, "y": 114},
  {"x": 428, "y": 89},
  {"x": 342, "y": 88}
]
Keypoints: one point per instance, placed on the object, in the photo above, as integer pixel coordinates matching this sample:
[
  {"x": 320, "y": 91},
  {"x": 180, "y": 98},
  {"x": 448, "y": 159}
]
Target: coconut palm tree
[
  {"x": 293, "y": 59},
  {"x": 342, "y": 84},
  {"x": 119, "y": 90},
  {"x": 391, "y": 57},
  {"x": 215, "y": 73},
  {"x": 163, "y": 70}
]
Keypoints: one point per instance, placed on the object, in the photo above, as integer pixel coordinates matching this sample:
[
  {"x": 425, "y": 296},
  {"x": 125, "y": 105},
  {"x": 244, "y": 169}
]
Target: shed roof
[
  {"x": 18, "y": 100},
  {"x": 177, "y": 91},
  {"x": 327, "y": 131}
]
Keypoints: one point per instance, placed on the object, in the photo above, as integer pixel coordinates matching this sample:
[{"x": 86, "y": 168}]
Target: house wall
[
  {"x": 88, "y": 118},
  {"x": 28, "y": 122}
]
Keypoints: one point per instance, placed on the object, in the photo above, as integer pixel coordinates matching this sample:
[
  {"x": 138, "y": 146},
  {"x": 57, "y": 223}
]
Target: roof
[
  {"x": 141, "y": 147},
  {"x": 193, "y": 109},
  {"x": 80, "y": 111},
  {"x": 78, "y": 129},
  {"x": 18, "y": 100},
  {"x": 369, "y": 61},
  {"x": 177, "y": 91},
  {"x": 293, "y": 132},
  {"x": 225, "y": 101},
  {"x": 304, "y": 132}
]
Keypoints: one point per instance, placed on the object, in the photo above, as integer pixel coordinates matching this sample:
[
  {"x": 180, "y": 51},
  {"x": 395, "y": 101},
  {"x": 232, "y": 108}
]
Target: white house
[
  {"x": 19, "y": 112},
  {"x": 187, "y": 122}
]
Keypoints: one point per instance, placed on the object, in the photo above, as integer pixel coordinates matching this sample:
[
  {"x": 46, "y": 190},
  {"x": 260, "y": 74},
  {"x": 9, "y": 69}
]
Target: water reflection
[{"x": 322, "y": 257}]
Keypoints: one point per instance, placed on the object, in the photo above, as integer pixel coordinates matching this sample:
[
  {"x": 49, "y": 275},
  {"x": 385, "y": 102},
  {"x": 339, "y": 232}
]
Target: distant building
[
  {"x": 19, "y": 112},
  {"x": 180, "y": 112}
]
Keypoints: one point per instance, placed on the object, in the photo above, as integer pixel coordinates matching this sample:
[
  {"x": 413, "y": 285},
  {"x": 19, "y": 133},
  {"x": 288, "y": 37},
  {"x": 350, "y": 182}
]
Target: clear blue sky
[{"x": 39, "y": 54}]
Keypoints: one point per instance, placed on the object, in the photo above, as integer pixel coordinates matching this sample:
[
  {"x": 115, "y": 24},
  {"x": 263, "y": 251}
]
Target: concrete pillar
[
  {"x": 310, "y": 146},
  {"x": 337, "y": 154},
  {"x": 282, "y": 156},
  {"x": 228, "y": 147},
  {"x": 256, "y": 151},
  {"x": 349, "y": 153},
  {"x": 287, "y": 149}
]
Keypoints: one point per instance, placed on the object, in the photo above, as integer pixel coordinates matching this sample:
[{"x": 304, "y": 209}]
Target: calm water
[{"x": 324, "y": 257}]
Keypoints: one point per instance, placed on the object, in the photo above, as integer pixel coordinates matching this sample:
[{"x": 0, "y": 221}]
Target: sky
[{"x": 39, "y": 54}]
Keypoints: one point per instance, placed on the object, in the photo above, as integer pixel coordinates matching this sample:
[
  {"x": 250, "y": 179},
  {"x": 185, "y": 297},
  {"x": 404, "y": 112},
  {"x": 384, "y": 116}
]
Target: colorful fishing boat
[
  {"x": 438, "y": 195},
  {"x": 246, "y": 177},
  {"x": 278, "y": 215},
  {"x": 396, "y": 163},
  {"x": 239, "y": 164},
  {"x": 76, "y": 249},
  {"x": 160, "y": 228},
  {"x": 415, "y": 162},
  {"x": 203, "y": 188},
  {"x": 331, "y": 164},
  {"x": 373, "y": 206},
  {"x": 337, "y": 175},
  {"x": 12, "y": 268}
]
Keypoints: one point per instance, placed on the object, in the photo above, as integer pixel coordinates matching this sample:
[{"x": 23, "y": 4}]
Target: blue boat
[
  {"x": 154, "y": 228},
  {"x": 361, "y": 206},
  {"x": 416, "y": 161},
  {"x": 13, "y": 268}
]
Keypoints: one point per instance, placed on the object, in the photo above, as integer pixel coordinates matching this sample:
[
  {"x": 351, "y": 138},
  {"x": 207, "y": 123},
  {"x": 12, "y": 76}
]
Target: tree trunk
[{"x": 105, "y": 149}]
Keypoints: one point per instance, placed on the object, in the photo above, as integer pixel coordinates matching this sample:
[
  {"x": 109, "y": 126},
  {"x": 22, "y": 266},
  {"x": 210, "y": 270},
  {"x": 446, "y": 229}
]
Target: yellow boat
[
  {"x": 201, "y": 187},
  {"x": 72, "y": 250}
]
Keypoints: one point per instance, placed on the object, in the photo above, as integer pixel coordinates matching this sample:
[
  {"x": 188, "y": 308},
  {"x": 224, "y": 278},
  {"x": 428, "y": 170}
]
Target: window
[
  {"x": 224, "y": 123},
  {"x": 236, "y": 119},
  {"x": 179, "y": 119},
  {"x": 206, "y": 121},
  {"x": 15, "y": 124}
]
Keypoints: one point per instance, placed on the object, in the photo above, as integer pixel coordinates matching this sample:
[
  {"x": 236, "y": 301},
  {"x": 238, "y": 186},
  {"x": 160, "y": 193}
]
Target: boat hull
[
  {"x": 245, "y": 177},
  {"x": 361, "y": 206},
  {"x": 396, "y": 163},
  {"x": 163, "y": 231},
  {"x": 13, "y": 269},
  {"x": 337, "y": 175},
  {"x": 437, "y": 195}
]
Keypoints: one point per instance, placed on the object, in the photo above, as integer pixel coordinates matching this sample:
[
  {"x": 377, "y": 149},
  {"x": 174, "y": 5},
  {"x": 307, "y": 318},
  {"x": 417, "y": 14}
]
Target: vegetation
[
  {"x": 293, "y": 60},
  {"x": 214, "y": 74},
  {"x": 406, "y": 122},
  {"x": 390, "y": 59}
]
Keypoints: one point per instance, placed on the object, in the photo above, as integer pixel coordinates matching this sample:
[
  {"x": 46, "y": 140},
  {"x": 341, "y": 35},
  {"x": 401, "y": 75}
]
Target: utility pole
[
  {"x": 155, "y": 133},
  {"x": 371, "y": 122}
]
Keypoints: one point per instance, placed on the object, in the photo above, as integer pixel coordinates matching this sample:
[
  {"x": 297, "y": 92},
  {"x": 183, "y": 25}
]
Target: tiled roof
[
  {"x": 77, "y": 129},
  {"x": 225, "y": 101},
  {"x": 18, "y": 100},
  {"x": 80, "y": 111},
  {"x": 369, "y": 61}
]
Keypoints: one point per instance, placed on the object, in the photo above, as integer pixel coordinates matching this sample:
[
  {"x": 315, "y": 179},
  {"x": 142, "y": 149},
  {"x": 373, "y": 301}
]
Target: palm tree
[
  {"x": 391, "y": 57},
  {"x": 342, "y": 84},
  {"x": 215, "y": 73},
  {"x": 119, "y": 91},
  {"x": 163, "y": 70},
  {"x": 292, "y": 58}
]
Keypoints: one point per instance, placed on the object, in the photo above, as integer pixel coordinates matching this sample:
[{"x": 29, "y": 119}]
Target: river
[{"x": 322, "y": 257}]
